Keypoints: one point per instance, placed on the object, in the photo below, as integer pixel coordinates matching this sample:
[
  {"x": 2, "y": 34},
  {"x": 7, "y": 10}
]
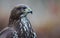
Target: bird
[{"x": 19, "y": 25}]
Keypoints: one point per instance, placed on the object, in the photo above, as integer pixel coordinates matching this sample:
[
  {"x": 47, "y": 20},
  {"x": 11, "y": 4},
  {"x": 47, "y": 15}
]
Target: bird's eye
[{"x": 24, "y": 7}]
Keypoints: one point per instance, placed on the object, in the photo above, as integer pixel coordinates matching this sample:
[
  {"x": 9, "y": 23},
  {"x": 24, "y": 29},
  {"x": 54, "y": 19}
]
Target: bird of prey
[{"x": 19, "y": 26}]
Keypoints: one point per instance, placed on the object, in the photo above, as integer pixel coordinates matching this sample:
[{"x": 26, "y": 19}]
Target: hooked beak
[{"x": 30, "y": 12}]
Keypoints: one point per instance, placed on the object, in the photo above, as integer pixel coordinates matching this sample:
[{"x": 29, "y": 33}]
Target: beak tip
[{"x": 31, "y": 12}]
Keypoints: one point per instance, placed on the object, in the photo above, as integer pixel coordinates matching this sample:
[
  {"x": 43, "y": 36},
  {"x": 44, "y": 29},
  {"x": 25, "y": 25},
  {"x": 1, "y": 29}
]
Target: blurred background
[{"x": 45, "y": 19}]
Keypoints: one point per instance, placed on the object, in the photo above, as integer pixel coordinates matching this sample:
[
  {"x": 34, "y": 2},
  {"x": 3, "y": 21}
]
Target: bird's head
[
  {"x": 23, "y": 10},
  {"x": 19, "y": 11}
]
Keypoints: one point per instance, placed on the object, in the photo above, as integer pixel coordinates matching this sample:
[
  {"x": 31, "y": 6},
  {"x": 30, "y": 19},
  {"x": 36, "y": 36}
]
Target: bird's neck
[{"x": 22, "y": 17}]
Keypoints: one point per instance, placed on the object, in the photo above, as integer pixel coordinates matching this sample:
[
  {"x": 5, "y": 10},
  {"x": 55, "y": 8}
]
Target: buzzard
[{"x": 19, "y": 26}]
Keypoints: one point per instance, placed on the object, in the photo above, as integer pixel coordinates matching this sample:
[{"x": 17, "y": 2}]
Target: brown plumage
[{"x": 19, "y": 26}]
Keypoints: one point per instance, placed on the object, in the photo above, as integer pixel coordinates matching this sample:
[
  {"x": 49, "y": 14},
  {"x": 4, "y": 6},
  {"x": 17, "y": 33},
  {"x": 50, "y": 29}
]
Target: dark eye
[{"x": 24, "y": 7}]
